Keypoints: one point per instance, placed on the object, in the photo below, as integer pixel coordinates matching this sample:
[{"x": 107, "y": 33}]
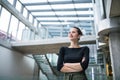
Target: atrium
[{"x": 33, "y": 31}]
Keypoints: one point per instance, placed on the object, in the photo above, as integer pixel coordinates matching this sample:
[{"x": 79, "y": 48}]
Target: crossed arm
[{"x": 72, "y": 67}]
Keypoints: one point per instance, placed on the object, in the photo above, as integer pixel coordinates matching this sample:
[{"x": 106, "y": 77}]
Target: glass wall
[
  {"x": 42, "y": 76},
  {"x": 11, "y": 28},
  {"x": 94, "y": 72}
]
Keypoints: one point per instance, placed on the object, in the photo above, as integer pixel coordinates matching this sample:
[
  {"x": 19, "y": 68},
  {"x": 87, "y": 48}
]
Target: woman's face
[{"x": 73, "y": 34}]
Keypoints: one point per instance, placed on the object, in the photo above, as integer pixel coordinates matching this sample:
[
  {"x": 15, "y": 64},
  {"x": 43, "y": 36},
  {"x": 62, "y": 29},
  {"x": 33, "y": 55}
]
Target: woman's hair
[{"x": 78, "y": 30}]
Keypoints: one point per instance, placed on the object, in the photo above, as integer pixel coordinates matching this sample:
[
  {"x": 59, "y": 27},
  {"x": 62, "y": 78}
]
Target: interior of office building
[{"x": 33, "y": 31}]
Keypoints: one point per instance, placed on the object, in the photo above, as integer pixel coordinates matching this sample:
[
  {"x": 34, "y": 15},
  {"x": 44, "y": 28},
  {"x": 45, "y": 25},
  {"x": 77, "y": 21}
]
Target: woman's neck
[{"x": 74, "y": 45}]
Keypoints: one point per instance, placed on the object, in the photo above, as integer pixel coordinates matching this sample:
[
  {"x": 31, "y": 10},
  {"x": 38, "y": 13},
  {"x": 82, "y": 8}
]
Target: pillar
[{"x": 114, "y": 44}]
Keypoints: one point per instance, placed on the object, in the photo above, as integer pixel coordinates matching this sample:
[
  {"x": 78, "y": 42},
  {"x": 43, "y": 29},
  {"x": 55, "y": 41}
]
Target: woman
[{"x": 73, "y": 60}]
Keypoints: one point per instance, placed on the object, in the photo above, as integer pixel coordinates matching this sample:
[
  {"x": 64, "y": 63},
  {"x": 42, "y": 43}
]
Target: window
[
  {"x": 31, "y": 18},
  {"x": 0, "y": 10},
  {"x": 35, "y": 23},
  {"x": 11, "y": 1},
  {"x": 18, "y": 6},
  {"x": 20, "y": 31},
  {"x": 13, "y": 27},
  {"x": 25, "y": 13},
  {"x": 4, "y": 20}
]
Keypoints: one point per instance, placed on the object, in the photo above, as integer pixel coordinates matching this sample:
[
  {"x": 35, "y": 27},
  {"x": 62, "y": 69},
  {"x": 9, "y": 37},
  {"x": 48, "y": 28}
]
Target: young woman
[{"x": 74, "y": 59}]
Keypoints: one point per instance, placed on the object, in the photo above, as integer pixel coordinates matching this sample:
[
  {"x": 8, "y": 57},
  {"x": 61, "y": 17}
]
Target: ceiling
[{"x": 61, "y": 14}]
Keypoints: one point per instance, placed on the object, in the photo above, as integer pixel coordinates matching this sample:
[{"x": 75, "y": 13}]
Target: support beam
[{"x": 58, "y": 2}]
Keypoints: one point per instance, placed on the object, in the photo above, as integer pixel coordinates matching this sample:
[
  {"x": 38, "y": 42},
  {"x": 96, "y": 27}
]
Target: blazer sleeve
[
  {"x": 85, "y": 63},
  {"x": 60, "y": 60}
]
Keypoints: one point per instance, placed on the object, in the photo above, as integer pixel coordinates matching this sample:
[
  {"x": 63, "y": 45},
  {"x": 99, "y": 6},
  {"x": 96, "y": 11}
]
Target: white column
[{"x": 114, "y": 44}]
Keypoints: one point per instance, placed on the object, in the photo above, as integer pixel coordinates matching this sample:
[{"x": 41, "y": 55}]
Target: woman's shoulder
[
  {"x": 62, "y": 48},
  {"x": 86, "y": 47}
]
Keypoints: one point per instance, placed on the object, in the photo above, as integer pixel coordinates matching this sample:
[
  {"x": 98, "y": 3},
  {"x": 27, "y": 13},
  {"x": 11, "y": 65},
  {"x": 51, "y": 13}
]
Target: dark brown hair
[{"x": 78, "y": 30}]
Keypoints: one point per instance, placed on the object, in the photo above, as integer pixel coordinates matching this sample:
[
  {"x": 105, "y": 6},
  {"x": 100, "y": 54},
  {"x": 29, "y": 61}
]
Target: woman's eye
[{"x": 73, "y": 32}]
